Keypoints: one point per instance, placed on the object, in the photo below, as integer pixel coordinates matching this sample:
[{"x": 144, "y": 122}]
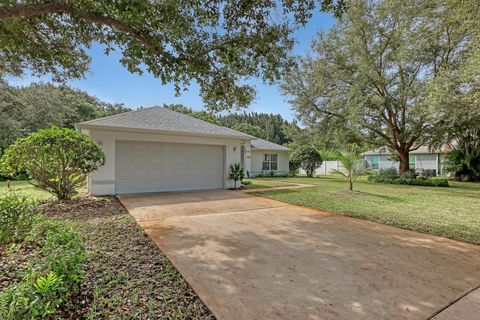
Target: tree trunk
[
  {"x": 350, "y": 185},
  {"x": 403, "y": 158}
]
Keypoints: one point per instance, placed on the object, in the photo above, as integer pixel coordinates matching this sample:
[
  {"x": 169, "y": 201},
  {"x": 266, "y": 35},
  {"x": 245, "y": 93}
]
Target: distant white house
[{"x": 421, "y": 159}]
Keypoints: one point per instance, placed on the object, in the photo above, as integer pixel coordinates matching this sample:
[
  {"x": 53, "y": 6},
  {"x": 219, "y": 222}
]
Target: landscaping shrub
[
  {"x": 309, "y": 158},
  {"x": 390, "y": 173},
  {"x": 58, "y": 159},
  {"x": 410, "y": 174},
  {"x": 463, "y": 162},
  {"x": 52, "y": 277},
  {"x": 16, "y": 217},
  {"x": 273, "y": 174},
  {"x": 408, "y": 180},
  {"x": 236, "y": 173},
  {"x": 294, "y": 165},
  {"x": 429, "y": 173}
]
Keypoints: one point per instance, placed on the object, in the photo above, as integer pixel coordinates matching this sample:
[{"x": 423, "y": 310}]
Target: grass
[
  {"x": 126, "y": 274},
  {"x": 24, "y": 188},
  {"x": 264, "y": 183},
  {"x": 452, "y": 212}
]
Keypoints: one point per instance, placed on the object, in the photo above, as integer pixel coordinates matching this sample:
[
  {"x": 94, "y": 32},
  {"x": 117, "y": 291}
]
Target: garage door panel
[{"x": 154, "y": 166}]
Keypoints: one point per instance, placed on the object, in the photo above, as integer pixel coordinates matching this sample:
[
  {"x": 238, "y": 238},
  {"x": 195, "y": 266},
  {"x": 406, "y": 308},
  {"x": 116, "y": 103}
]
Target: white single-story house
[
  {"x": 421, "y": 159},
  {"x": 268, "y": 156},
  {"x": 157, "y": 149}
]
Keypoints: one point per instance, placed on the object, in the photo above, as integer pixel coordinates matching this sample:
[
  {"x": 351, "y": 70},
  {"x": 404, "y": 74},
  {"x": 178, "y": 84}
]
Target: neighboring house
[
  {"x": 267, "y": 156},
  {"x": 421, "y": 159},
  {"x": 157, "y": 149}
]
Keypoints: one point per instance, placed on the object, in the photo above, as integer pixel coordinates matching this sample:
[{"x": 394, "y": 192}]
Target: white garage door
[{"x": 154, "y": 166}]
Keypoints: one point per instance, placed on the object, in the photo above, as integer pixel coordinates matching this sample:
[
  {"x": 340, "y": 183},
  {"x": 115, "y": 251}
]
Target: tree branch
[{"x": 24, "y": 11}]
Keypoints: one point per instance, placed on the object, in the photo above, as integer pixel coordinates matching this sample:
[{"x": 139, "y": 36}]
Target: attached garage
[
  {"x": 157, "y": 149},
  {"x": 158, "y": 166}
]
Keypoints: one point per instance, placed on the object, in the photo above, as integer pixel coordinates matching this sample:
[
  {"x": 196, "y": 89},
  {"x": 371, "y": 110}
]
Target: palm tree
[{"x": 353, "y": 167}]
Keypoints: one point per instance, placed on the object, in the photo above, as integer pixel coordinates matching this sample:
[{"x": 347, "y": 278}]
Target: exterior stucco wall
[
  {"x": 102, "y": 181},
  {"x": 257, "y": 159}
]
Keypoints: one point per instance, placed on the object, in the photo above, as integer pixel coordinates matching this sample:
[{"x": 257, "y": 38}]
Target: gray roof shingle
[
  {"x": 261, "y": 144},
  {"x": 165, "y": 120}
]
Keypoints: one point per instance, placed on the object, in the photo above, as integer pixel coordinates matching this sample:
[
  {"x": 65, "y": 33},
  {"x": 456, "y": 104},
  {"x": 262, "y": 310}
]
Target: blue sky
[{"x": 111, "y": 82}]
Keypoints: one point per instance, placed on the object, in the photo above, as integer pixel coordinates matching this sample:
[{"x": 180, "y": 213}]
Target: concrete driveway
[{"x": 253, "y": 258}]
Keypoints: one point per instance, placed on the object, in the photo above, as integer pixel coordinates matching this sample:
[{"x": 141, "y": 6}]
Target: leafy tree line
[
  {"x": 28, "y": 109},
  {"x": 266, "y": 126},
  {"x": 272, "y": 125}
]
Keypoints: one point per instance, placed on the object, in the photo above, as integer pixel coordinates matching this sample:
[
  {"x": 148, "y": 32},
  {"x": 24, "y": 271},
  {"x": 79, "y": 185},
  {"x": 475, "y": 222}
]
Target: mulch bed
[{"x": 126, "y": 275}]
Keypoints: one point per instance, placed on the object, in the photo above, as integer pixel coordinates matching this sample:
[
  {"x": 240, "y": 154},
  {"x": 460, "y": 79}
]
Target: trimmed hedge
[{"x": 411, "y": 181}]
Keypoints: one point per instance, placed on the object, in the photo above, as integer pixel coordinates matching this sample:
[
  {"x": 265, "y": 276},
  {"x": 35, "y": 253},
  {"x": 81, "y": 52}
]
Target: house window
[
  {"x": 411, "y": 161},
  {"x": 270, "y": 162},
  {"x": 375, "y": 162}
]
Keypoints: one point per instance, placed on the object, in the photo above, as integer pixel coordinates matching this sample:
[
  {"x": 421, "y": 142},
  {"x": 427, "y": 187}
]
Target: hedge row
[{"x": 411, "y": 181}]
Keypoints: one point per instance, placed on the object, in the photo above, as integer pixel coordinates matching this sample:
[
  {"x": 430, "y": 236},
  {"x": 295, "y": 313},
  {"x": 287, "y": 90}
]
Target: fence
[{"x": 326, "y": 168}]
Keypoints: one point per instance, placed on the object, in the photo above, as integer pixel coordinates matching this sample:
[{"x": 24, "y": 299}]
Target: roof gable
[
  {"x": 261, "y": 144},
  {"x": 164, "y": 120}
]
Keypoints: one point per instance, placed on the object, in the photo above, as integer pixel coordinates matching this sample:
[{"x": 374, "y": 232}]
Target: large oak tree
[
  {"x": 373, "y": 75},
  {"x": 216, "y": 43}
]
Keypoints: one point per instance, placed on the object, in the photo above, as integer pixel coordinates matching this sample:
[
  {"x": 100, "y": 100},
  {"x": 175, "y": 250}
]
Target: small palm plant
[
  {"x": 353, "y": 167},
  {"x": 236, "y": 173}
]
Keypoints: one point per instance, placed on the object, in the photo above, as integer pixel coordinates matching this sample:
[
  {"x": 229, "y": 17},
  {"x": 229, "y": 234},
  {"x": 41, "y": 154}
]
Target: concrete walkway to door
[{"x": 253, "y": 258}]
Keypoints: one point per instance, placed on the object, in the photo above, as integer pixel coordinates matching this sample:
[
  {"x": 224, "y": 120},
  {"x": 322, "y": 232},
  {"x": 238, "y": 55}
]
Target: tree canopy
[
  {"x": 38, "y": 106},
  {"x": 217, "y": 44},
  {"x": 251, "y": 129},
  {"x": 376, "y": 75}
]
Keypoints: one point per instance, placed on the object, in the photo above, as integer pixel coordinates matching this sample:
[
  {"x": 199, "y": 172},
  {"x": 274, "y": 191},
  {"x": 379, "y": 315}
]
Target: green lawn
[
  {"x": 452, "y": 212},
  {"x": 264, "y": 183},
  {"x": 24, "y": 188}
]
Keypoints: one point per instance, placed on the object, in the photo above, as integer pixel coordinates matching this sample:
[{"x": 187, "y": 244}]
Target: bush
[
  {"x": 390, "y": 173},
  {"x": 410, "y": 174},
  {"x": 391, "y": 176},
  {"x": 58, "y": 159},
  {"x": 294, "y": 165},
  {"x": 429, "y": 173},
  {"x": 309, "y": 157},
  {"x": 421, "y": 181},
  {"x": 16, "y": 217},
  {"x": 236, "y": 173},
  {"x": 463, "y": 162},
  {"x": 51, "y": 280}
]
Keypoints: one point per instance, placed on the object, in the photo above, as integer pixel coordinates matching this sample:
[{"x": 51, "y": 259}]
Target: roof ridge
[
  {"x": 141, "y": 109},
  {"x": 209, "y": 123},
  {"x": 163, "y": 118}
]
